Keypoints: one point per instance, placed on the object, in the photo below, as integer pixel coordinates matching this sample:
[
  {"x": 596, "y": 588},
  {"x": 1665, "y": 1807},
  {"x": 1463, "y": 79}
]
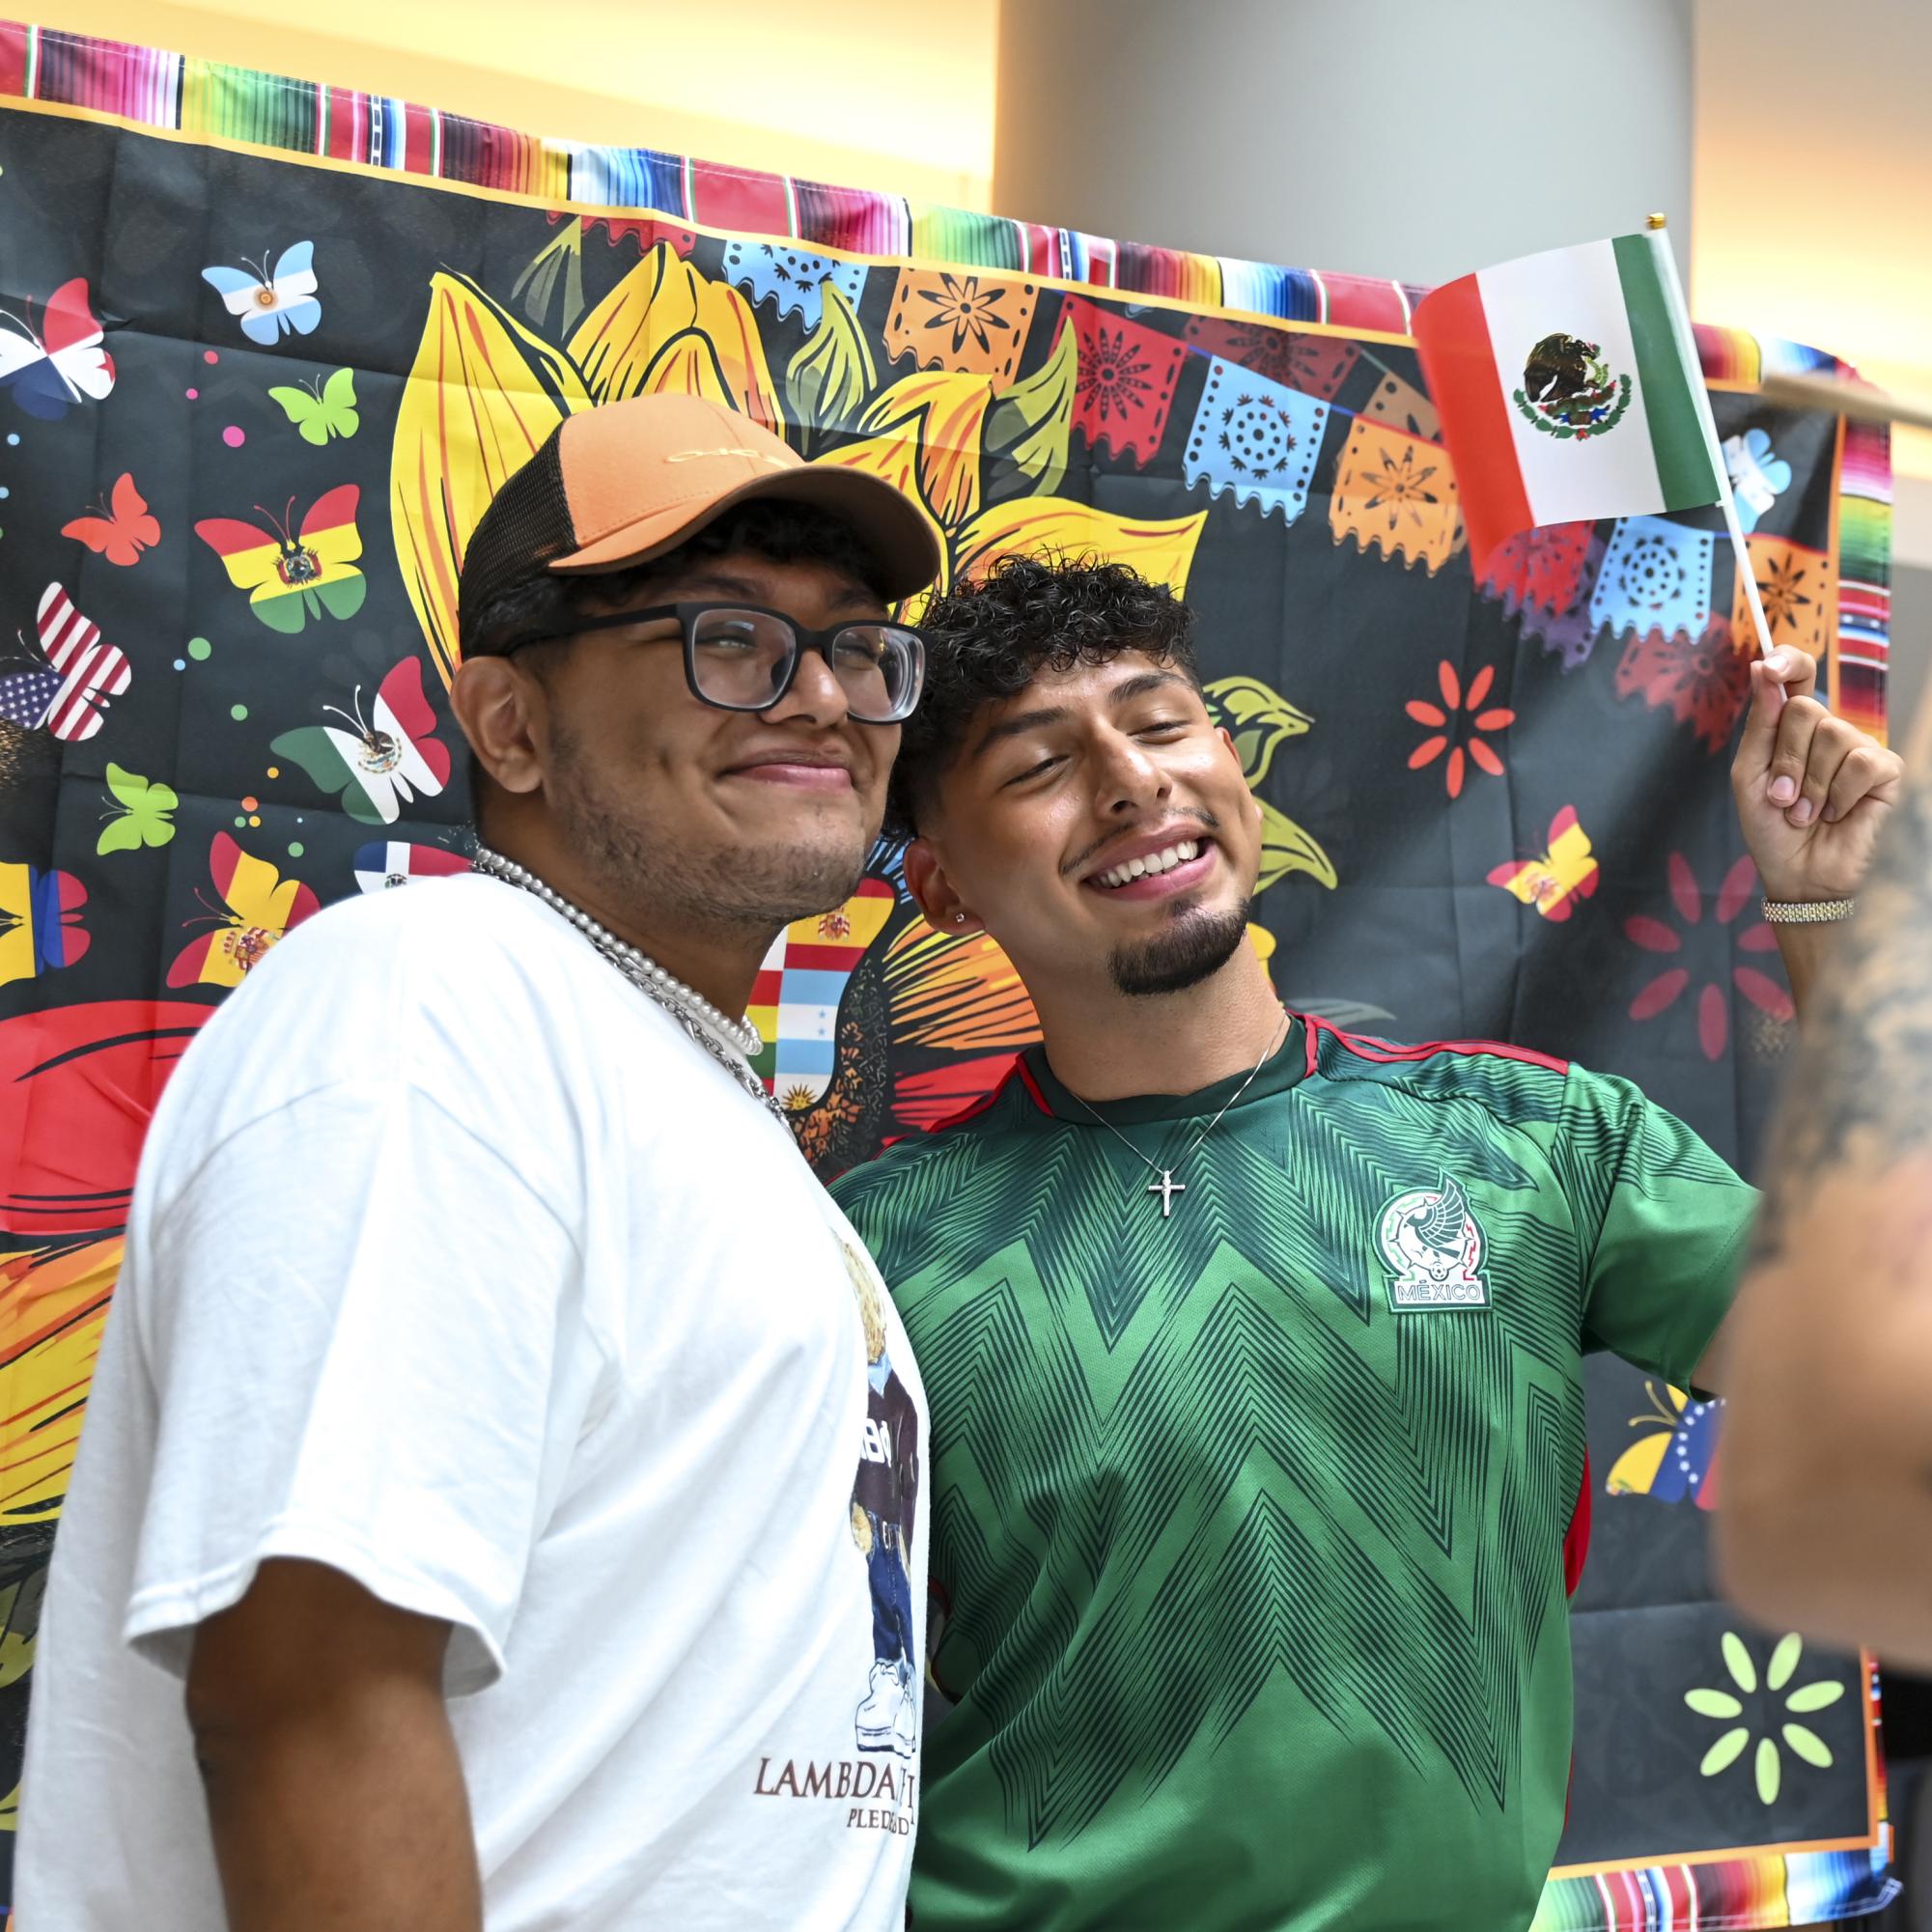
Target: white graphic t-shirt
[{"x": 455, "y": 1265}]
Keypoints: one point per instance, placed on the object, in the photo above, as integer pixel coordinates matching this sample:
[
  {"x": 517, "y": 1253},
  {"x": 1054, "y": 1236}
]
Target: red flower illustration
[
  {"x": 1448, "y": 724},
  {"x": 1713, "y": 1006}
]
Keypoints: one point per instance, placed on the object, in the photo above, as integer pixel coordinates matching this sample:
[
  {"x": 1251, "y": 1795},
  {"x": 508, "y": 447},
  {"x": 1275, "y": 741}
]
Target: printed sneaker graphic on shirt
[
  {"x": 885, "y": 1503},
  {"x": 1433, "y": 1247}
]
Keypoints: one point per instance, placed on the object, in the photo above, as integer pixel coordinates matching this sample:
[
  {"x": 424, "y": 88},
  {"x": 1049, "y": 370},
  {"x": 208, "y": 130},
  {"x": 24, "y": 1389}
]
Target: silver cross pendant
[{"x": 1167, "y": 1186}]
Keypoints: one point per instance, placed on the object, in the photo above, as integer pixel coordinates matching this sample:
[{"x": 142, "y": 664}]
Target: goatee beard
[{"x": 1195, "y": 948}]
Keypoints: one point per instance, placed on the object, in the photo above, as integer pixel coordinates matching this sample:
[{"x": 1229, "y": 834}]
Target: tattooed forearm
[{"x": 1862, "y": 1097}]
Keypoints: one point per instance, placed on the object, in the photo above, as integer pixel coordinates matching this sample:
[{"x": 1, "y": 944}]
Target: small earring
[{"x": 959, "y": 918}]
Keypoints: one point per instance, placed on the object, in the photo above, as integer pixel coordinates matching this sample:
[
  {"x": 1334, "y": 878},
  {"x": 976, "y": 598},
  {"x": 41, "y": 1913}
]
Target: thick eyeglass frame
[{"x": 688, "y": 617}]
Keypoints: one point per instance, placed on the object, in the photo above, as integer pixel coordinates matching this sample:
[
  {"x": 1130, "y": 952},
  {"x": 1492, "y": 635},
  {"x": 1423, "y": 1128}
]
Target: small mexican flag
[{"x": 1569, "y": 389}]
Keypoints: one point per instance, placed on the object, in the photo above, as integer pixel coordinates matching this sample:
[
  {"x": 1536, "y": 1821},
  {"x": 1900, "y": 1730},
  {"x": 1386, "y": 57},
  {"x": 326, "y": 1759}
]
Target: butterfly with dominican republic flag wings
[
  {"x": 292, "y": 575},
  {"x": 120, "y": 533},
  {"x": 259, "y": 907},
  {"x": 63, "y": 686},
  {"x": 39, "y": 921},
  {"x": 62, "y": 361},
  {"x": 385, "y": 759},
  {"x": 383, "y": 864},
  {"x": 272, "y": 298}
]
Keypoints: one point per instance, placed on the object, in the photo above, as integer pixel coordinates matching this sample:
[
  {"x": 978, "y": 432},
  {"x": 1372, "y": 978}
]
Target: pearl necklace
[{"x": 724, "y": 1039}]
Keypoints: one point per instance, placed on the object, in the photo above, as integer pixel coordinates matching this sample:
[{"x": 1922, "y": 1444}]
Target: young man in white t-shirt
[{"x": 464, "y": 1532}]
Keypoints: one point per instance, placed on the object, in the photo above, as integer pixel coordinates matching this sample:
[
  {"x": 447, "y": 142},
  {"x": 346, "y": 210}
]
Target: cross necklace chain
[{"x": 1164, "y": 1184}]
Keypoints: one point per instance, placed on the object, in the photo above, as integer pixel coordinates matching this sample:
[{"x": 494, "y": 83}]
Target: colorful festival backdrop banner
[{"x": 267, "y": 351}]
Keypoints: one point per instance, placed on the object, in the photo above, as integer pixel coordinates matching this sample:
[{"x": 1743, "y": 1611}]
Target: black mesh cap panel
[{"x": 527, "y": 525}]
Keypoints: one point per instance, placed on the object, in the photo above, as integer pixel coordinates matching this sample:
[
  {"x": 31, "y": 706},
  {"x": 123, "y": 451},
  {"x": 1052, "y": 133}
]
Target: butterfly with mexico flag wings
[
  {"x": 261, "y": 906},
  {"x": 388, "y": 757},
  {"x": 292, "y": 576}
]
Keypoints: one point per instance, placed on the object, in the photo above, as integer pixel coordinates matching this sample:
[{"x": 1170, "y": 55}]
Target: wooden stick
[{"x": 1845, "y": 398}]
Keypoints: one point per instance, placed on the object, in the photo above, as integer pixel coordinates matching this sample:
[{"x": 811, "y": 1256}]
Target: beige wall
[
  {"x": 1414, "y": 139},
  {"x": 876, "y": 94},
  {"x": 1813, "y": 186}
]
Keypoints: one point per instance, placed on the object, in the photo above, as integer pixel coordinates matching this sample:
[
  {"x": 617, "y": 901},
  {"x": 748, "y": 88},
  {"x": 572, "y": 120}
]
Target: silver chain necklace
[
  {"x": 704, "y": 1022},
  {"x": 1164, "y": 1184}
]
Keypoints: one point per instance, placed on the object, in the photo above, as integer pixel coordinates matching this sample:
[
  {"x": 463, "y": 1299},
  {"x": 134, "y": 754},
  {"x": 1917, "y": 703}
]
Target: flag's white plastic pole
[{"x": 1687, "y": 343}]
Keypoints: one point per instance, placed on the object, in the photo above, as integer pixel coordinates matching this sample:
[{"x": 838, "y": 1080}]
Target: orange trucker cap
[{"x": 623, "y": 484}]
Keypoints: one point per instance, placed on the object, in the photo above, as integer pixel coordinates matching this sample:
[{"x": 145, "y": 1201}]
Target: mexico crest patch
[
  {"x": 1569, "y": 391},
  {"x": 1434, "y": 1247}
]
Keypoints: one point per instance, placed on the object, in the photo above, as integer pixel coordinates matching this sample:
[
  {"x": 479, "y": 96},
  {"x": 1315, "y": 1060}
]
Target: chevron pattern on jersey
[{"x": 1175, "y": 1459}]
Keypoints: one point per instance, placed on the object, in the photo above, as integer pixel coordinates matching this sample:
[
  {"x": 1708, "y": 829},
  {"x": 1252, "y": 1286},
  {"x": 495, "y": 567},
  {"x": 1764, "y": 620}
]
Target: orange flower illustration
[{"x": 1460, "y": 714}]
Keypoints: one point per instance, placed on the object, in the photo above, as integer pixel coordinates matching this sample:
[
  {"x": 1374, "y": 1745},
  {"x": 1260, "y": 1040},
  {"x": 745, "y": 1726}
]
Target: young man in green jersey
[{"x": 1255, "y": 1349}]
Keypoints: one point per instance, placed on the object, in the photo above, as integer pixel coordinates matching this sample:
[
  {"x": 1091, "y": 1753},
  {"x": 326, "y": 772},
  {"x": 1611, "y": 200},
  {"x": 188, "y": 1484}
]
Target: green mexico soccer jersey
[{"x": 1249, "y": 1518}]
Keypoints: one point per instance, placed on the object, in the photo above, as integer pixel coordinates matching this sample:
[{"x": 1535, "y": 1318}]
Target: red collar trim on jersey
[
  {"x": 1383, "y": 1054},
  {"x": 974, "y": 1108}
]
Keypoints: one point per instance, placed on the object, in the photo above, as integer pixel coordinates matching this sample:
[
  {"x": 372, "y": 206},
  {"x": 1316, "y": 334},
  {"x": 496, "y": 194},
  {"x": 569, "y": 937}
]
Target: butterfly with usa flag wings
[{"x": 64, "y": 685}]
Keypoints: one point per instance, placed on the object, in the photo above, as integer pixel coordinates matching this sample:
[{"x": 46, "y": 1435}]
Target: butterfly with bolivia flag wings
[{"x": 292, "y": 575}]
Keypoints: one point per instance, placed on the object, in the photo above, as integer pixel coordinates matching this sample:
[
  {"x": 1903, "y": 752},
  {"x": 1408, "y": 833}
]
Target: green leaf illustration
[
  {"x": 1257, "y": 719},
  {"x": 1725, "y": 1753},
  {"x": 1031, "y": 425},
  {"x": 1286, "y": 848},
  {"x": 556, "y": 270},
  {"x": 1770, "y": 1771},
  {"x": 832, "y": 372}
]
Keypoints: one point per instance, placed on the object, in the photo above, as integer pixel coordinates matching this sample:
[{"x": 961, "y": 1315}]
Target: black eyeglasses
[{"x": 739, "y": 658}]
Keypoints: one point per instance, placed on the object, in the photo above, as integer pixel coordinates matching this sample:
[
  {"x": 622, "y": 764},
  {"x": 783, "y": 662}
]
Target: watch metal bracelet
[{"x": 1808, "y": 911}]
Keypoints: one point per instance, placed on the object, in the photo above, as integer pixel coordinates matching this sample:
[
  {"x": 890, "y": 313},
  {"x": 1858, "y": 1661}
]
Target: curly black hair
[{"x": 988, "y": 640}]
